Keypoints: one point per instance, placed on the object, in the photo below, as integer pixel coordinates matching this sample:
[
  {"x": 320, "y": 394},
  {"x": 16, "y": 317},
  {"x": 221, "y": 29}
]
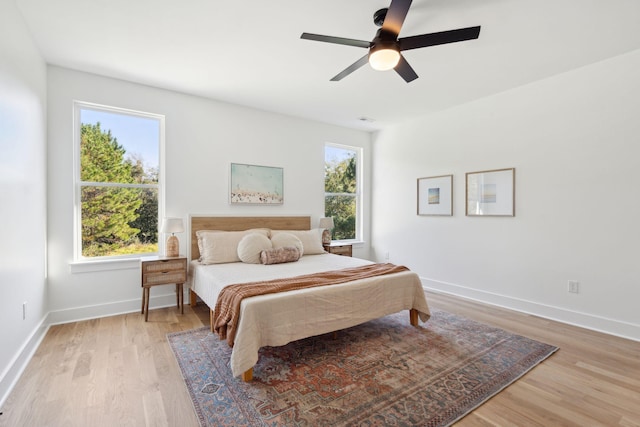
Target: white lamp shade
[
  {"x": 172, "y": 225},
  {"x": 326, "y": 223},
  {"x": 384, "y": 59}
]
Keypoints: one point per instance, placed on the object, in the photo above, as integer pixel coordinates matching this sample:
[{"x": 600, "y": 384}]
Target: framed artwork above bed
[{"x": 256, "y": 185}]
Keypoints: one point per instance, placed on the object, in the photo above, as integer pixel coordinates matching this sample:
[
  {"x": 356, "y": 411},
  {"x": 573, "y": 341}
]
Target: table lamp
[
  {"x": 172, "y": 225},
  {"x": 327, "y": 225}
]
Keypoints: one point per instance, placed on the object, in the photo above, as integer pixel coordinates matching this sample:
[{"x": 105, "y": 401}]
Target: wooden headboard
[{"x": 239, "y": 223}]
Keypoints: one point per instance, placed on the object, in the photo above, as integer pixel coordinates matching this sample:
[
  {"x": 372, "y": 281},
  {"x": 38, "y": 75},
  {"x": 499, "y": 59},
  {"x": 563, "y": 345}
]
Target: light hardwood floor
[{"x": 120, "y": 371}]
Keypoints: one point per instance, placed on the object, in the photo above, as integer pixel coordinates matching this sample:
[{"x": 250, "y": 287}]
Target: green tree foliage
[
  {"x": 107, "y": 212},
  {"x": 147, "y": 220},
  {"x": 340, "y": 197}
]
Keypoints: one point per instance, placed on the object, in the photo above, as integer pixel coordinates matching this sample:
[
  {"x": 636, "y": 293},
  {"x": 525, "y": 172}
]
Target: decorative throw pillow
[
  {"x": 251, "y": 246},
  {"x": 311, "y": 239},
  {"x": 280, "y": 255},
  {"x": 282, "y": 240},
  {"x": 218, "y": 247}
]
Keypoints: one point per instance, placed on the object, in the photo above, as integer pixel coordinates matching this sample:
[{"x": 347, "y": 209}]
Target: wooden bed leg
[
  {"x": 413, "y": 317},
  {"x": 247, "y": 375},
  {"x": 193, "y": 298},
  {"x": 211, "y": 320}
]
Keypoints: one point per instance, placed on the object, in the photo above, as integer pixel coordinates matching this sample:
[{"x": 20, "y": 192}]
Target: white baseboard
[
  {"x": 17, "y": 366},
  {"x": 77, "y": 314},
  {"x": 584, "y": 320},
  {"x": 19, "y": 363}
]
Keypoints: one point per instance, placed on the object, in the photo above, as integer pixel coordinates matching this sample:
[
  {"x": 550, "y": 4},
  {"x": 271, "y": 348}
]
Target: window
[
  {"x": 342, "y": 195},
  {"x": 118, "y": 186}
]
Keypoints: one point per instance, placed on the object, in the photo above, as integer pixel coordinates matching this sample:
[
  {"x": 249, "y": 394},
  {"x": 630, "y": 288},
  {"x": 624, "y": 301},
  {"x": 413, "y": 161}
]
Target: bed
[{"x": 279, "y": 318}]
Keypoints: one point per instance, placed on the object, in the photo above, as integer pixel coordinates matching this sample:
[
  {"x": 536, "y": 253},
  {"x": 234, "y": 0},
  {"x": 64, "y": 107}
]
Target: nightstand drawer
[
  {"x": 163, "y": 266},
  {"x": 164, "y": 277},
  {"x": 345, "y": 250}
]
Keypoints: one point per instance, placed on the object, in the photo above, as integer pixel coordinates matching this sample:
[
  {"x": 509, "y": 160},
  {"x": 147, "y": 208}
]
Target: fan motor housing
[{"x": 379, "y": 15}]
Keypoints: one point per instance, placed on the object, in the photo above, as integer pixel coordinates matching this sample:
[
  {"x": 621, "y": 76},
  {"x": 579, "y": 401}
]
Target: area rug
[{"x": 381, "y": 373}]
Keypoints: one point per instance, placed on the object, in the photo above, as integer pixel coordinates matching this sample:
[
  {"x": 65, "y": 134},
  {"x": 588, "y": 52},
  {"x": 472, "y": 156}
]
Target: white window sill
[
  {"x": 92, "y": 266},
  {"x": 348, "y": 242}
]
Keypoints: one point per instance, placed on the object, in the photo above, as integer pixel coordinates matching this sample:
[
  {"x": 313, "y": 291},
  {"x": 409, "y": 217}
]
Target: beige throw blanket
[{"x": 227, "y": 310}]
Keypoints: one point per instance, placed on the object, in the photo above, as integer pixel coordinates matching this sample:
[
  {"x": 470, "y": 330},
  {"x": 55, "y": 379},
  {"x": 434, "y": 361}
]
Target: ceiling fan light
[{"x": 384, "y": 59}]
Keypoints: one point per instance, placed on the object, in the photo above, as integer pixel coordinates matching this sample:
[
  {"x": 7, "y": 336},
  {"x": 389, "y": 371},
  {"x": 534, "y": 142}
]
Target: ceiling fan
[{"x": 384, "y": 49}]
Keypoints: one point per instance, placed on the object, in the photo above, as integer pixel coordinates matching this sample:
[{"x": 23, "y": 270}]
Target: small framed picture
[
  {"x": 434, "y": 195},
  {"x": 491, "y": 193}
]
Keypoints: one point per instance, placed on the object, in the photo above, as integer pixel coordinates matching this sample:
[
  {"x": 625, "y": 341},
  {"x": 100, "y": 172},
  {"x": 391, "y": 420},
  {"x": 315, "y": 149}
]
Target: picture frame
[
  {"x": 435, "y": 196},
  {"x": 491, "y": 193},
  {"x": 256, "y": 185}
]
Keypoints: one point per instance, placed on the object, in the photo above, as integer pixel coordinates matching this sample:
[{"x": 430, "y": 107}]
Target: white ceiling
[{"x": 250, "y": 52}]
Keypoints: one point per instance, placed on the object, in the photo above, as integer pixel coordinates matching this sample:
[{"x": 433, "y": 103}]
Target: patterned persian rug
[{"x": 381, "y": 373}]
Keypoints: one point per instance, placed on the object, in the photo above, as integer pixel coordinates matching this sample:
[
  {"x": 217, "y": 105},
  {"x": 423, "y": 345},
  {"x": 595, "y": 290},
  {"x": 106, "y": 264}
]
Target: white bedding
[{"x": 277, "y": 319}]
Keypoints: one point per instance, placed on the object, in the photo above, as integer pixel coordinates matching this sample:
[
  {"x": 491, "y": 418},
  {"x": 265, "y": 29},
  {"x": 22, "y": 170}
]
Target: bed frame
[{"x": 240, "y": 223}]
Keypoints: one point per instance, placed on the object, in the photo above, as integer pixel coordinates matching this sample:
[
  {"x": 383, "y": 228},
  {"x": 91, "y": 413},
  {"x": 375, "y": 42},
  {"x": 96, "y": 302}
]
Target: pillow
[
  {"x": 311, "y": 239},
  {"x": 280, "y": 255},
  {"x": 218, "y": 247},
  {"x": 282, "y": 240},
  {"x": 250, "y": 247}
]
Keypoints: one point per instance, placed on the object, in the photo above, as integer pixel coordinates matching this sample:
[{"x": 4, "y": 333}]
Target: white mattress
[{"x": 277, "y": 319}]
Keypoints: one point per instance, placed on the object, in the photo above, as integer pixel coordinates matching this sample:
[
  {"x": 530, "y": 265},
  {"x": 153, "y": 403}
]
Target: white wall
[
  {"x": 574, "y": 140},
  {"x": 202, "y": 138},
  {"x": 22, "y": 195}
]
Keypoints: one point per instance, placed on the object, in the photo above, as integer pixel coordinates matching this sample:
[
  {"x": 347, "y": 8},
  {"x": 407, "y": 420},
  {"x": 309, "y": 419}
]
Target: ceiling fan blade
[
  {"x": 404, "y": 69},
  {"x": 351, "y": 68},
  {"x": 443, "y": 37},
  {"x": 395, "y": 16},
  {"x": 335, "y": 40}
]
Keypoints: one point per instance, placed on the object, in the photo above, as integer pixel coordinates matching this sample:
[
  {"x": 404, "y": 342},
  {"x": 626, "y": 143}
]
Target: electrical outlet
[
  {"x": 24, "y": 310},
  {"x": 573, "y": 286},
  {"x": 386, "y": 256}
]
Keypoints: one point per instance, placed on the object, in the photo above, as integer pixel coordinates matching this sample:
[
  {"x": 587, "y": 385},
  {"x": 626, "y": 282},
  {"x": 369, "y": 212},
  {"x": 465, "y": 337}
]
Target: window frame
[
  {"x": 359, "y": 190},
  {"x": 78, "y": 106}
]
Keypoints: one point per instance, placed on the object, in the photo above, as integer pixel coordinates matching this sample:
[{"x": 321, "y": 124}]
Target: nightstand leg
[
  {"x": 179, "y": 302},
  {"x": 146, "y": 304},
  {"x": 143, "y": 295}
]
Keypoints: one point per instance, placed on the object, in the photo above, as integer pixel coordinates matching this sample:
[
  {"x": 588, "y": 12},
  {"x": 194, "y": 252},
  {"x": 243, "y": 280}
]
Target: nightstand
[
  {"x": 338, "y": 248},
  {"x": 162, "y": 271}
]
